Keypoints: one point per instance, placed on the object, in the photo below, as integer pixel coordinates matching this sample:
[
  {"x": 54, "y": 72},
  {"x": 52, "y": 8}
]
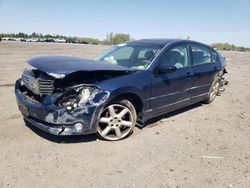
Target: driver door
[{"x": 169, "y": 90}]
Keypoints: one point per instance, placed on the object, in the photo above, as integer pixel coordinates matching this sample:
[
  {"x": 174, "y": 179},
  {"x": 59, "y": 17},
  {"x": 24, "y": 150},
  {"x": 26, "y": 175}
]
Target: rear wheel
[
  {"x": 117, "y": 121},
  {"x": 213, "y": 91}
]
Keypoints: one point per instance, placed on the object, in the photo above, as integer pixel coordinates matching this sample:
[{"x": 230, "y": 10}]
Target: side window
[
  {"x": 214, "y": 57},
  {"x": 123, "y": 53},
  {"x": 201, "y": 55},
  {"x": 177, "y": 56}
]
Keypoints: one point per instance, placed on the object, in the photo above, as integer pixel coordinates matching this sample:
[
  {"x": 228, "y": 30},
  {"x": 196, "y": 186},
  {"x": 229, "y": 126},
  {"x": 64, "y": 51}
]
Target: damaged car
[{"x": 123, "y": 87}]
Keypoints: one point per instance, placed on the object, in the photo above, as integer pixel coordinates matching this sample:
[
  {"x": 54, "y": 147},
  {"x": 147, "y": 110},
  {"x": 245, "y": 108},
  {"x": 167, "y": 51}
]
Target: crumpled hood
[{"x": 61, "y": 66}]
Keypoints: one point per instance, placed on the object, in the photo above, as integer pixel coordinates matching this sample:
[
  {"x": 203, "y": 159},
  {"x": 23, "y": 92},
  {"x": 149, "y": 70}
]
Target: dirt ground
[{"x": 199, "y": 146}]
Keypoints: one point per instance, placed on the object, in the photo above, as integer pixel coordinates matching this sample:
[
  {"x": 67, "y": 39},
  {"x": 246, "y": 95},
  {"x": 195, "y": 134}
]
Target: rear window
[{"x": 214, "y": 57}]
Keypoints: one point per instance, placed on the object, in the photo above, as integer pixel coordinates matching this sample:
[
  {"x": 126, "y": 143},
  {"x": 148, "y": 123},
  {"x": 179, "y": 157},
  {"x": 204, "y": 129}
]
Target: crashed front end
[{"x": 51, "y": 105}]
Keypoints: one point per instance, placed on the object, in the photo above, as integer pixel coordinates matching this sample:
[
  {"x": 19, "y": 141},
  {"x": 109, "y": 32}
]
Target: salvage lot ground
[{"x": 200, "y": 146}]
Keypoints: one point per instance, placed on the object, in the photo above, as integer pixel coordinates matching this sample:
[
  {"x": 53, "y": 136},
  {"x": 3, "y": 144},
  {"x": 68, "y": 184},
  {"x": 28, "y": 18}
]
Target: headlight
[
  {"x": 76, "y": 97},
  {"x": 84, "y": 96}
]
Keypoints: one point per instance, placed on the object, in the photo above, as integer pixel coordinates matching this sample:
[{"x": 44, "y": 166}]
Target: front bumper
[{"x": 55, "y": 119}]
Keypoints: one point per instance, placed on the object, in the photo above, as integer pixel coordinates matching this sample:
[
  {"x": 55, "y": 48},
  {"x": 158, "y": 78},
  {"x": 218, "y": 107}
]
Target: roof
[
  {"x": 156, "y": 41},
  {"x": 164, "y": 42}
]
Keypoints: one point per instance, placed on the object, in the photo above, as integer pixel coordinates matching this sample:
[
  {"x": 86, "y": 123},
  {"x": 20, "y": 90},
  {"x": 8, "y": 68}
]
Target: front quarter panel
[{"x": 137, "y": 83}]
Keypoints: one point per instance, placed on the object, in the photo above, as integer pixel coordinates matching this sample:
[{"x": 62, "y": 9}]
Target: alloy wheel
[
  {"x": 214, "y": 91},
  {"x": 116, "y": 122}
]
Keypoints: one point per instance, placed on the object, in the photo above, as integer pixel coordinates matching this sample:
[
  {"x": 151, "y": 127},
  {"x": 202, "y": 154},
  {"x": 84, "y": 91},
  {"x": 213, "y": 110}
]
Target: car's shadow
[
  {"x": 62, "y": 139},
  {"x": 93, "y": 137}
]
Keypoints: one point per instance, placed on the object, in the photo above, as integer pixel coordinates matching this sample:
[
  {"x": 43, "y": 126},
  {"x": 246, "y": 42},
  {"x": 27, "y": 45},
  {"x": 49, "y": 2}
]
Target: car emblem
[{"x": 34, "y": 85}]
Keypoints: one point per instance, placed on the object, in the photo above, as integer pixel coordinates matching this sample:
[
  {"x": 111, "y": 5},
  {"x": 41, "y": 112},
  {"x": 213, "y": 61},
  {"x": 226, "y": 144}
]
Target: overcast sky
[{"x": 205, "y": 21}]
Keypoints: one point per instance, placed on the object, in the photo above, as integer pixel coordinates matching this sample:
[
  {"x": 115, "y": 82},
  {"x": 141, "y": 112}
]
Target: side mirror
[{"x": 165, "y": 69}]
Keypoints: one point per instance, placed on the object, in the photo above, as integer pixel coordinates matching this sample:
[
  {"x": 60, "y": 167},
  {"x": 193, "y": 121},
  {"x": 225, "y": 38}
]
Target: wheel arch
[{"x": 133, "y": 98}]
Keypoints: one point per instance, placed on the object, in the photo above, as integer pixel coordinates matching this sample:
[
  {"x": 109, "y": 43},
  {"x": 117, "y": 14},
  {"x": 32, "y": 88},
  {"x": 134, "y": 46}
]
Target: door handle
[
  {"x": 216, "y": 68},
  {"x": 189, "y": 74}
]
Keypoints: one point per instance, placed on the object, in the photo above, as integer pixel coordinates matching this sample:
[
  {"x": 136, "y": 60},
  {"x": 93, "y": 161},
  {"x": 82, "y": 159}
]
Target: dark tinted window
[
  {"x": 177, "y": 56},
  {"x": 202, "y": 55}
]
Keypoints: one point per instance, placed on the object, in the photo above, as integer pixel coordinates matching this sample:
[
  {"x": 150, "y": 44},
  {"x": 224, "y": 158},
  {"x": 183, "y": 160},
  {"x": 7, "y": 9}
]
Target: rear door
[
  {"x": 169, "y": 90},
  {"x": 204, "y": 67}
]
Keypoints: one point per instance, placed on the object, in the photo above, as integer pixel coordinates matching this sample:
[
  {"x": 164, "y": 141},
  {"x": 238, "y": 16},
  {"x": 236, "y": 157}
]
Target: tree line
[
  {"x": 229, "y": 47},
  {"x": 111, "y": 38}
]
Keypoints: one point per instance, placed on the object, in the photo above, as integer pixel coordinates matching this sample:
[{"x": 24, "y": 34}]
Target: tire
[
  {"x": 213, "y": 91},
  {"x": 117, "y": 121}
]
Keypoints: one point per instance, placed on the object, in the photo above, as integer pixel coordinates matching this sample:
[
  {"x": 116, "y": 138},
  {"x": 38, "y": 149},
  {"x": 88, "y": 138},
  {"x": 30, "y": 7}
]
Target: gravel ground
[{"x": 199, "y": 146}]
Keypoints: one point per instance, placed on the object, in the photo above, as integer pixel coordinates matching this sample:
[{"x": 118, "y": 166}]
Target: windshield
[{"x": 133, "y": 56}]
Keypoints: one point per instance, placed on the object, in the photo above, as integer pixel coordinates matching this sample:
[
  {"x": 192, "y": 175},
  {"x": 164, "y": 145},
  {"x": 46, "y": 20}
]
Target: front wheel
[
  {"x": 117, "y": 121},
  {"x": 213, "y": 91}
]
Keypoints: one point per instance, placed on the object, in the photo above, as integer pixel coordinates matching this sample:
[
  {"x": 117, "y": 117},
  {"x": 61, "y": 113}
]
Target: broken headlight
[{"x": 76, "y": 97}]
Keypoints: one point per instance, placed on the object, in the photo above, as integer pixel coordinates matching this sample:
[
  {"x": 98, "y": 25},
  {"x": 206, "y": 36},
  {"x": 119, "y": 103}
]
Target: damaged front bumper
[{"x": 54, "y": 119}]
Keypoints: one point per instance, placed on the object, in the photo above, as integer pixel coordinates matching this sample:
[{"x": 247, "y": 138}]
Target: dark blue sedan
[{"x": 123, "y": 87}]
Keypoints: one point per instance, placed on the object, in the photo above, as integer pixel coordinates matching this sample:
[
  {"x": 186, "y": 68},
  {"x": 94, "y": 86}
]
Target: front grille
[{"x": 38, "y": 86}]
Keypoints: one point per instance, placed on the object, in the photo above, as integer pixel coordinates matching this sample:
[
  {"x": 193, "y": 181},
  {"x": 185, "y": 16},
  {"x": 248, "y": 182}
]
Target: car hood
[{"x": 61, "y": 66}]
